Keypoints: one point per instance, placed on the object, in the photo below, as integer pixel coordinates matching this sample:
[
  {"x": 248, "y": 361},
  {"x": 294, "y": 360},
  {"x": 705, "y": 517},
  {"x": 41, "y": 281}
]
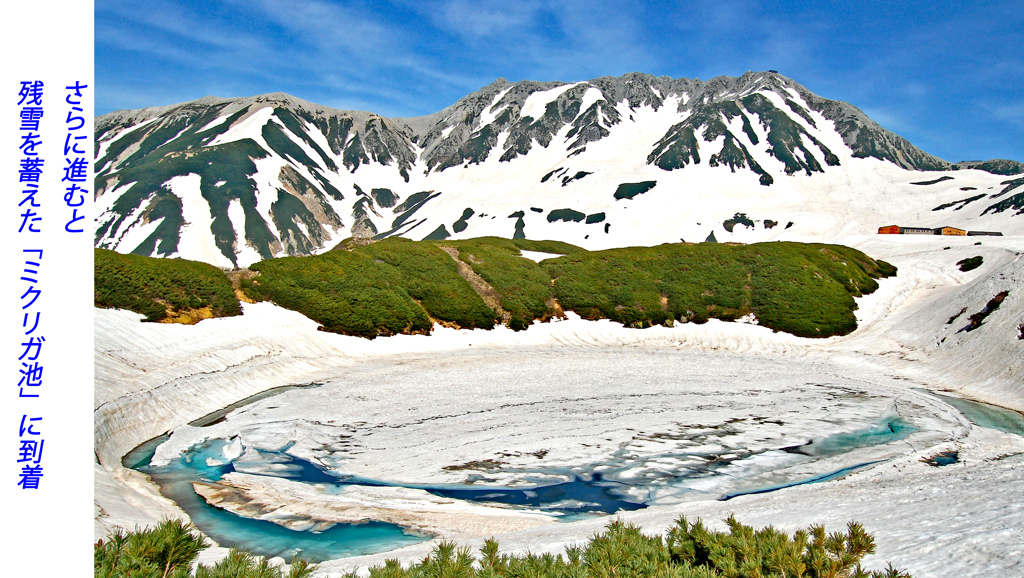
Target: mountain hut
[{"x": 916, "y": 231}]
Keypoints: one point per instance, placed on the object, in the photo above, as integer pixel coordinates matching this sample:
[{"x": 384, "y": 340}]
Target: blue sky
[{"x": 948, "y": 76}]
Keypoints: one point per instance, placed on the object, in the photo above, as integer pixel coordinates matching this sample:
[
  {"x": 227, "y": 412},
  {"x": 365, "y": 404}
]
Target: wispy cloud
[
  {"x": 887, "y": 118},
  {"x": 480, "y": 18},
  {"x": 184, "y": 28},
  {"x": 554, "y": 40},
  {"x": 921, "y": 69},
  {"x": 325, "y": 26},
  {"x": 1011, "y": 113}
]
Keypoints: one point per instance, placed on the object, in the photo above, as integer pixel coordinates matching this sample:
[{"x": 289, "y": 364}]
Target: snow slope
[
  {"x": 951, "y": 521},
  {"x": 798, "y": 167}
]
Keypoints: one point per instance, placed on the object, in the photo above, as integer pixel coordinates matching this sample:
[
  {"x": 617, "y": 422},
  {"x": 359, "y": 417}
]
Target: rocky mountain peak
[{"x": 235, "y": 180}]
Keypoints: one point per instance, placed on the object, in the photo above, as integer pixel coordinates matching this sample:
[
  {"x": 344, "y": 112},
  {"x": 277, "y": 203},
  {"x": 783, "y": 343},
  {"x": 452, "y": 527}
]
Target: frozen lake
[
  {"x": 565, "y": 433},
  {"x": 671, "y": 420}
]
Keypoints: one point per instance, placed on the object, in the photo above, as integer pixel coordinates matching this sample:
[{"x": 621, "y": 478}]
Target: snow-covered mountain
[{"x": 633, "y": 160}]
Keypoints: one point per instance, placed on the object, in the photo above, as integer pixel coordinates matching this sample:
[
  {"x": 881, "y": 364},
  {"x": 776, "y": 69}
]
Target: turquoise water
[
  {"x": 141, "y": 456},
  {"x": 585, "y": 493},
  {"x": 579, "y": 495},
  {"x": 889, "y": 429},
  {"x": 812, "y": 480},
  {"x": 261, "y": 537},
  {"x": 943, "y": 459},
  {"x": 985, "y": 415}
]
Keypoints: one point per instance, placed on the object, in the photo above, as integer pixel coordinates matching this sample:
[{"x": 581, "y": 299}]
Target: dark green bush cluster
[
  {"x": 523, "y": 285},
  {"x": 971, "y": 263},
  {"x": 169, "y": 550},
  {"x": 556, "y": 247},
  {"x": 432, "y": 278},
  {"x": 803, "y": 289},
  {"x": 394, "y": 286},
  {"x": 630, "y": 190},
  {"x": 149, "y": 285},
  {"x": 689, "y": 551},
  {"x": 978, "y": 318},
  {"x": 401, "y": 286}
]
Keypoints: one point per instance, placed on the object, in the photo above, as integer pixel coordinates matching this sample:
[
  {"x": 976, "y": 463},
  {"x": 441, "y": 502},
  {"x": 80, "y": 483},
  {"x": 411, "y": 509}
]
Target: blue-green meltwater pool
[{"x": 593, "y": 492}]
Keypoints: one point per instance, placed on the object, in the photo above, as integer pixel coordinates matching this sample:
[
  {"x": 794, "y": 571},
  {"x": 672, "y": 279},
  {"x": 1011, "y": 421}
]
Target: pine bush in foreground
[
  {"x": 690, "y": 550},
  {"x": 169, "y": 550}
]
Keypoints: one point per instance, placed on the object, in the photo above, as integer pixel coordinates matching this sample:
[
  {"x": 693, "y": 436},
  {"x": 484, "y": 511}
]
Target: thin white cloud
[
  {"x": 411, "y": 57},
  {"x": 1011, "y": 113},
  {"x": 327, "y": 26},
  {"x": 887, "y": 118},
  {"x": 479, "y": 18},
  {"x": 174, "y": 20}
]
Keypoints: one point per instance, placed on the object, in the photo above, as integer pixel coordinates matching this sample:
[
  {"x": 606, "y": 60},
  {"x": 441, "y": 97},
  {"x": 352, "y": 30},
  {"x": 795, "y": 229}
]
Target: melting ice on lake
[{"x": 641, "y": 427}]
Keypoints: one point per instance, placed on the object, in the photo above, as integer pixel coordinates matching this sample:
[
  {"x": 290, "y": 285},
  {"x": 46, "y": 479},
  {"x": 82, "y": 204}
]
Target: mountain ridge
[{"x": 286, "y": 176}]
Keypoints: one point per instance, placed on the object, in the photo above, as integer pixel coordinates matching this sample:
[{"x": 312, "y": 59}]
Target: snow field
[
  {"x": 854, "y": 198},
  {"x": 948, "y": 521}
]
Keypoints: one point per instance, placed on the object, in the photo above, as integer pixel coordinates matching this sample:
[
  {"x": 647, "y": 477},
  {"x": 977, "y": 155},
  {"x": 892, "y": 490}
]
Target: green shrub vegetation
[
  {"x": 432, "y": 278},
  {"x": 978, "y": 318},
  {"x": 1015, "y": 203},
  {"x": 630, "y": 190},
  {"x": 689, "y": 550},
  {"x": 400, "y": 286},
  {"x": 393, "y": 286},
  {"x": 738, "y": 219},
  {"x": 803, "y": 289},
  {"x": 962, "y": 202},
  {"x": 971, "y": 263},
  {"x": 523, "y": 286},
  {"x": 566, "y": 215},
  {"x": 154, "y": 287},
  {"x": 170, "y": 549},
  {"x": 557, "y": 247},
  {"x": 934, "y": 181}
]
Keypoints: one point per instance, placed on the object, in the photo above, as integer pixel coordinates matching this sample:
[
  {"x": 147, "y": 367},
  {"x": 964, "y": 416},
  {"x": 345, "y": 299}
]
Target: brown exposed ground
[
  {"x": 482, "y": 288},
  {"x": 188, "y": 316},
  {"x": 236, "y": 277}
]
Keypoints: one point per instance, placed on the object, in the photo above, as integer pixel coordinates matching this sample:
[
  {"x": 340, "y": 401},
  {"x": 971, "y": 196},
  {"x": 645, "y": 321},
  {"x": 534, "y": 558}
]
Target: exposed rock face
[{"x": 281, "y": 176}]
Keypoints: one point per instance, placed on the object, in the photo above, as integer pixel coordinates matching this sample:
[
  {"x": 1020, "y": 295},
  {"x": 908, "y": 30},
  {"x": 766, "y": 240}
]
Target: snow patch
[
  {"x": 196, "y": 237},
  {"x": 591, "y": 96},
  {"x": 245, "y": 254},
  {"x": 250, "y": 126},
  {"x": 487, "y": 116},
  {"x": 537, "y": 101},
  {"x": 213, "y": 123},
  {"x": 105, "y": 143},
  {"x": 538, "y": 256}
]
